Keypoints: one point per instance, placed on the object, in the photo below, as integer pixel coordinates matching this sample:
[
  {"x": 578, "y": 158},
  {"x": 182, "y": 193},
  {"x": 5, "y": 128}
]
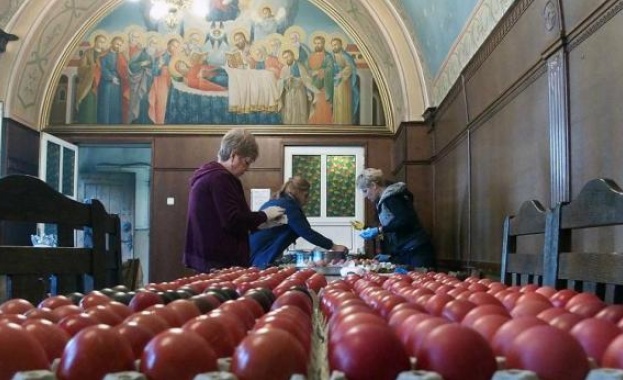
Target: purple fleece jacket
[{"x": 219, "y": 220}]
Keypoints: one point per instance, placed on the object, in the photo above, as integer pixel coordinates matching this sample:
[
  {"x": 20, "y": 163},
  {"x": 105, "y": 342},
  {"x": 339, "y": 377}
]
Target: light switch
[{"x": 170, "y": 201}]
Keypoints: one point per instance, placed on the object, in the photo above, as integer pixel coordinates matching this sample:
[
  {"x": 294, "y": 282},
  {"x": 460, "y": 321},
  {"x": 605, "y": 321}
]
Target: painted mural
[{"x": 263, "y": 62}]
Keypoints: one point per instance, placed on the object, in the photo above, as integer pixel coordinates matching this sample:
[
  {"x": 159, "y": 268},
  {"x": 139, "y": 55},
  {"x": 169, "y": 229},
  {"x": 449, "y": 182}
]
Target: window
[{"x": 333, "y": 201}]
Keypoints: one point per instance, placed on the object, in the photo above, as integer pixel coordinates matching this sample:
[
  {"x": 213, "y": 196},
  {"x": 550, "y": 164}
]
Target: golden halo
[
  {"x": 124, "y": 41},
  {"x": 98, "y": 32},
  {"x": 319, "y": 33},
  {"x": 194, "y": 31},
  {"x": 342, "y": 37},
  {"x": 295, "y": 29},
  {"x": 259, "y": 51},
  {"x": 135, "y": 29},
  {"x": 291, "y": 47},
  {"x": 155, "y": 36},
  {"x": 236, "y": 30},
  {"x": 270, "y": 40}
]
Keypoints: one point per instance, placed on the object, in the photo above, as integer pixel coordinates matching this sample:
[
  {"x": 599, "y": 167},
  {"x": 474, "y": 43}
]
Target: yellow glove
[{"x": 357, "y": 225}]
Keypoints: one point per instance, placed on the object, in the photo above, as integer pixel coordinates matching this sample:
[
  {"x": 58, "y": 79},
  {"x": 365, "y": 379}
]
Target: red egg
[
  {"x": 551, "y": 353},
  {"x": 457, "y": 353},
  {"x": 595, "y": 335}
]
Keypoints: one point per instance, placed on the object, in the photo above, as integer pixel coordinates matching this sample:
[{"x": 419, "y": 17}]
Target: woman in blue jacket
[{"x": 267, "y": 245}]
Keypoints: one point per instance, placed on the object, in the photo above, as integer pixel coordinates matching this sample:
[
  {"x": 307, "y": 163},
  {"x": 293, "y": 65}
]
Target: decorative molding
[
  {"x": 558, "y": 128},
  {"x": 550, "y": 15},
  {"x": 501, "y": 30},
  {"x": 509, "y": 95},
  {"x": 478, "y": 30},
  {"x": 41, "y": 58},
  {"x": 452, "y": 94},
  {"x": 595, "y": 25},
  {"x": 9, "y": 11}
]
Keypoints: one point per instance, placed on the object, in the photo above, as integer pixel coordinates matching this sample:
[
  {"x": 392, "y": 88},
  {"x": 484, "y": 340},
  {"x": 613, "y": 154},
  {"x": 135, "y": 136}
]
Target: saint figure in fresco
[
  {"x": 297, "y": 92},
  {"x": 159, "y": 91},
  {"x": 89, "y": 74},
  {"x": 321, "y": 67},
  {"x": 345, "y": 90},
  {"x": 113, "y": 91},
  {"x": 141, "y": 74}
]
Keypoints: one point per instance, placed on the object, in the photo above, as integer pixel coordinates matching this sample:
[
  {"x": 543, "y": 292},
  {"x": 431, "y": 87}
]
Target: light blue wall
[{"x": 438, "y": 23}]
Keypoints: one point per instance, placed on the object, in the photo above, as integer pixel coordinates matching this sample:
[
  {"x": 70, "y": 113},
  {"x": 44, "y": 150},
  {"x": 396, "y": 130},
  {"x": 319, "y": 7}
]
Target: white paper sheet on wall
[{"x": 259, "y": 197}]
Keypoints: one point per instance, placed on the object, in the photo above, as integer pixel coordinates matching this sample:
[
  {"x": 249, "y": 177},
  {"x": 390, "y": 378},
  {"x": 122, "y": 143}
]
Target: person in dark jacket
[
  {"x": 404, "y": 241},
  {"x": 219, "y": 218},
  {"x": 267, "y": 245}
]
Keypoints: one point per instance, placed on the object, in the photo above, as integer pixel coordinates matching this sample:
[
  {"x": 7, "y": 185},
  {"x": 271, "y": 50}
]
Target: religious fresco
[{"x": 262, "y": 62}]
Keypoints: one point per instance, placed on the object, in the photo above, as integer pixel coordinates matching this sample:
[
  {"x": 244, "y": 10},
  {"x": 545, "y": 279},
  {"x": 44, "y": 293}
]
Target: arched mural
[{"x": 262, "y": 62}]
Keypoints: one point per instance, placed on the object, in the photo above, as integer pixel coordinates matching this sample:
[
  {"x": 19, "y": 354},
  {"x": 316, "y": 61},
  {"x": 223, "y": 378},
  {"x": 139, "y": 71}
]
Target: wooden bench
[
  {"x": 519, "y": 266},
  {"x": 574, "y": 226},
  {"x": 35, "y": 272}
]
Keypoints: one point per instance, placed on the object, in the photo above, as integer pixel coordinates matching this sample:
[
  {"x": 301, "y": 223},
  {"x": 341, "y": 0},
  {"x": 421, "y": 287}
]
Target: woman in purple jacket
[{"x": 219, "y": 218}]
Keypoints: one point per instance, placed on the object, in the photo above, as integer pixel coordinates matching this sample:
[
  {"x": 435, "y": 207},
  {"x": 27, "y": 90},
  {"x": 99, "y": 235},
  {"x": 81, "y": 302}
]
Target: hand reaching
[
  {"x": 369, "y": 233},
  {"x": 339, "y": 248},
  {"x": 273, "y": 212},
  {"x": 382, "y": 258}
]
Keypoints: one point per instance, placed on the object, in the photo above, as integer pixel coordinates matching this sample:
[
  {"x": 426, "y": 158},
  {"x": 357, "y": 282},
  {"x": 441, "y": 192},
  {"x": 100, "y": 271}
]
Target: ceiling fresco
[{"x": 416, "y": 48}]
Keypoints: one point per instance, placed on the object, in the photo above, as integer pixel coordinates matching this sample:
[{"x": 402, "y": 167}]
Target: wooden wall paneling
[
  {"x": 261, "y": 179},
  {"x": 399, "y": 150},
  {"x": 451, "y": 204},
  {"x": 22, "y": 149},
  {"x": 450, "y": 118},
  {"x": 187, "y": 152},
  {"x": 576, "y": 12},
  {"x": 419, "y": 143},
  {"x": 378, "y": 154},
  {"x": 596, "y": 115},
  {"x": 419, "y": 181},
  {"x": 510, "y": 163},
  {"x": 513, "y": 48},
  {"x": 168, "y": 229}
]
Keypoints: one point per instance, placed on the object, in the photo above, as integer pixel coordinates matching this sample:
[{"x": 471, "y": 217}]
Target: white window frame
[
  {"x": 43, "y": 161},
  {"x": 355, "y": 243}
]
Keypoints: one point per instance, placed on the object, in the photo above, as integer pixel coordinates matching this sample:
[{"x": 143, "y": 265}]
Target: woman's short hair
[
  {"x": 370, "y": 176},
  {"x": 238, "y": 141}
]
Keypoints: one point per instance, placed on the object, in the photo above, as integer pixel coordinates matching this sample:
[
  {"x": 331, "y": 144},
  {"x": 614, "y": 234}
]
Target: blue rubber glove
[
  {"x": 369, "y": 233},
  {"x": 381, "y": 258}
]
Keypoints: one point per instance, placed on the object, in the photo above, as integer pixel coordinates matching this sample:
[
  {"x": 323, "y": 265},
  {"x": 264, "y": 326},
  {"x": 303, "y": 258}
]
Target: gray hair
[
  {"x": 238, "y": 141},
  {"x": 370, "y": 176}
]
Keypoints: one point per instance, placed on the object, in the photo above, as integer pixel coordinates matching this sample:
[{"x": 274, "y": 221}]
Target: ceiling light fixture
[{"x": 171, "y": 11}]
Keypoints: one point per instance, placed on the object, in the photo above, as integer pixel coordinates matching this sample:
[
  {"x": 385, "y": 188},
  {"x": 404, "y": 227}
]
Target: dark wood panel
[
  {"x": 184, "y": 152},
  {"x": 451, "y": 204},
  {"x": 521, "y": 45},
  {"x": 22, "y": 149},
  {"x": 595, "y": 121},
  {"x": 418, "y": 180},
  {"x": 509, "y": 164},
  {"x": 451, "y": 119},
  {"x": 575, "y": 12},
  {"x": 419, "y": 142},
  {"x": 168, "y": 229}
]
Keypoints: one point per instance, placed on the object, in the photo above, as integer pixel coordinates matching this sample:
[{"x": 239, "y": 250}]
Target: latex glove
[
  {"x": 273, "y": 212},
  {"x": 358, "y": 225},
  {"x": 381, "y": 258},
  {"x": 369, "y": 233}
]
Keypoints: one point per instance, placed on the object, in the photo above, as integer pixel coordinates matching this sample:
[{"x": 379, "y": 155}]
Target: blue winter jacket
[{"x": 268, "y": 245}]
